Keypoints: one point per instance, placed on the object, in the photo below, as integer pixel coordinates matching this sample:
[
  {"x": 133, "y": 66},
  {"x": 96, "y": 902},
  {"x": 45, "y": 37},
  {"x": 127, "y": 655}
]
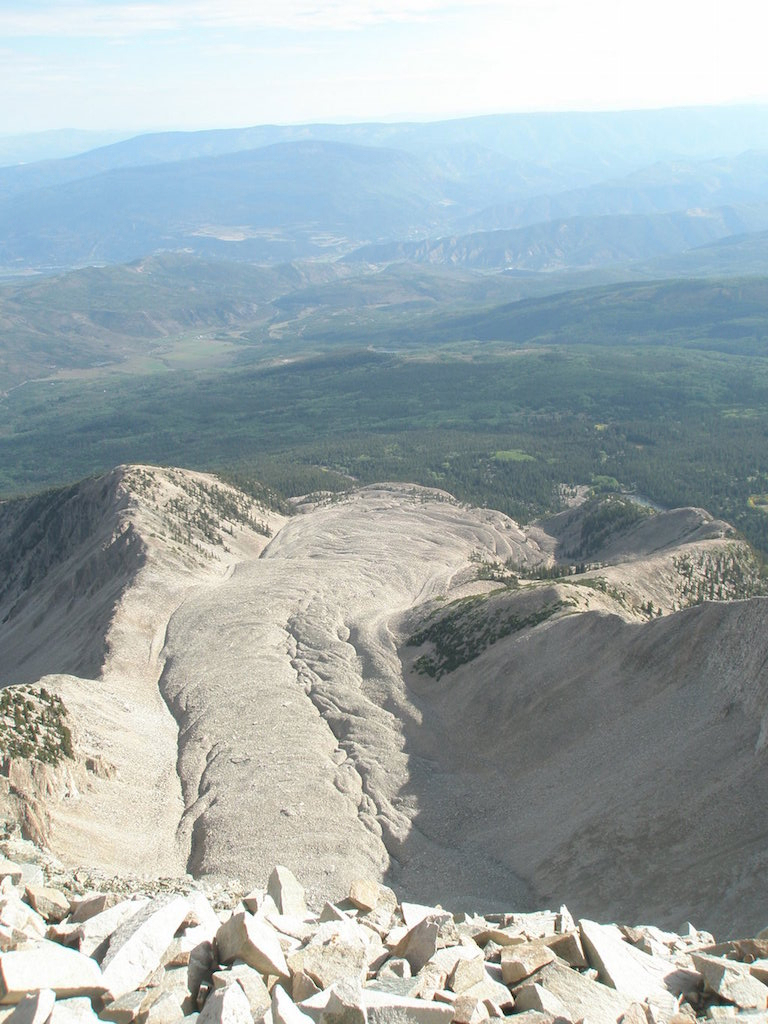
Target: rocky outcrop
[{"x": 174, "y": 958}]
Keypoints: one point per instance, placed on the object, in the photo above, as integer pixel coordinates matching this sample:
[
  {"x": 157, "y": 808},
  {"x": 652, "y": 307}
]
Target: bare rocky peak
[{"x": 395, "y": 686}]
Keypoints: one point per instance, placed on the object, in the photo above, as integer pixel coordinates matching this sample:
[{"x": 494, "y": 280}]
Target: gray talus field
[
  {"x": 287, "y": 685},
  {"x": 394, "y": 685}
]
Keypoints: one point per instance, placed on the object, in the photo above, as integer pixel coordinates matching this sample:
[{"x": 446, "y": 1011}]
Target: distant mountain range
[
  {"x": 55, "y": 144},
  {"x": 271, "y": 193},
  {"x": 575, "y": 242}
]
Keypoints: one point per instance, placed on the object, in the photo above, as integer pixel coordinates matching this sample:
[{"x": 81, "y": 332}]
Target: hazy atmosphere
[
  {"x": 383, "y": 512},
  {"x": 100, "y": 64}
]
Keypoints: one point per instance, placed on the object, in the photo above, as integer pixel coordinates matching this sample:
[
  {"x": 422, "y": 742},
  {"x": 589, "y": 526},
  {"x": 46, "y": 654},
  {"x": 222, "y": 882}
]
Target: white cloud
[{"x": 97, "y": 19}]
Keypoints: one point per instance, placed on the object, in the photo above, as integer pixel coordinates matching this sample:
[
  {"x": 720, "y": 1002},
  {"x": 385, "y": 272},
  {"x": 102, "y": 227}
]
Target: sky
[{"x": 187, "y": 64}]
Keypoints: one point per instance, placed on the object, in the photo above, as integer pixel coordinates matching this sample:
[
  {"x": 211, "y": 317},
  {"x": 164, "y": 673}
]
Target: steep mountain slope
[
  {"x": 91, "y": 576},
  {"x": 626, "y": 756},
  {"x": 501, "y": 714}
]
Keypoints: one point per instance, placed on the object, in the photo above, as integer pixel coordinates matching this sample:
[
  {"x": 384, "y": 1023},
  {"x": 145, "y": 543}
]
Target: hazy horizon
[
  {"x": 415, "y": 118},
  {"x": 179, "y": 65}
]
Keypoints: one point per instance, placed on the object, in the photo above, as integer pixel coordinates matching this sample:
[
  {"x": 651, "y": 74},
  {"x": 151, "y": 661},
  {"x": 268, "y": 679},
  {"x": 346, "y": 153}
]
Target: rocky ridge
[
  {"x": 570, "y": 712},
  {"x": 92, "y": 574},
  {"x": 74, "y": 955}
]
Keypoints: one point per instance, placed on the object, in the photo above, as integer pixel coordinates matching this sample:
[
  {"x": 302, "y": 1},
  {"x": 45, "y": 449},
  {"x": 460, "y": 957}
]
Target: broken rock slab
[
  {"x": 164, "y": 1009},
  {"x": 290, "y": 927},
  {"x": 331, "y": 912},
  {"x": 284, "y": 1010},
  {"x": 94, "y": 903},
  {"x": 50, "y": 904},
  {"x": 521, "y": 961},
  {"x": 227, "y": 1005},
  {"x": 259, "y": 903},
  {"x": 73, "y": 1011},
  {"x": 467, "y": 1010},
  {"x": 247, "y": 938},
  {"x": 302, "y": 987},
  {"x": 491, "y": 989},
  {"x": 583, "y": 998},
  {"x": 137, "y": 946},
  {"x": 14, "y": 913},
  {"x": 34, "y": 1008},
  {"x": 539, "y": 924},
  {"x": 12, "y": 938},
  {"x": 399, "y": 986},
  {"x": 124, "y": 1009},
  {"x": 386, "y": 1008},
  {"x": 250, "y": 981},
  {"x": 568, "y": 947},
  {"x": 419, "y": 944},
  {"x": 201, "y": 915},
  {"x": 10, "y": 869},
  {"x": 759, "y": 969},
  {"x": 430, "y": 980},
  {"x": 346, "y": 1004},
  {"x": 732, "y": 981},
  {"x": 395, "y": 967},
  {"x": 183, "y": 983},
  {"x": 467, "y": 971},
  {"x": 500, "y": 937},
  {"x": 415, "y": 913},
  {"x": 48, "y": 965},
  {"x": 535, "y": 997},
  {"x": 337, "y": 949},
  {"x": 639, "y": 1013},
  {"x": 632, "y": 972},
  {"x": 93, "y": 935},
  {"x": 287, "y": 893},
  {"x": 535, "y": 1017},
  {"x": 364, "y": 893},
  {"x": 326, "y": 963}
]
